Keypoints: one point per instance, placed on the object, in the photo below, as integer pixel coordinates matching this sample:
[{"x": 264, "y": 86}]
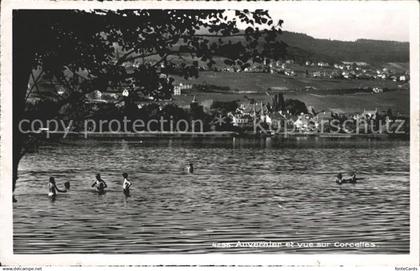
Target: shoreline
[{"x": 217, "y": 135}]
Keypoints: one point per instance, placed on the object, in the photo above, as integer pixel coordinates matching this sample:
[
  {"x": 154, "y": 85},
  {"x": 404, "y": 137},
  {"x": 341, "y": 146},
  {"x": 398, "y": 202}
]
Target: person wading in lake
[
  {"x": 53, "y": 189},
  {"x": 126, "y": 185},
  {"x": 340, "y": 180},
  {"x": 99, "y": 184},
  {"x": 189, "y": 169}
]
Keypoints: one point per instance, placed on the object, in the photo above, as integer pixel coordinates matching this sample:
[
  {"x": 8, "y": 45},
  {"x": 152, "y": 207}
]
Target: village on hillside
[
  {"x": 321, "y": 69},
  {"x": 272, "y": 110}
]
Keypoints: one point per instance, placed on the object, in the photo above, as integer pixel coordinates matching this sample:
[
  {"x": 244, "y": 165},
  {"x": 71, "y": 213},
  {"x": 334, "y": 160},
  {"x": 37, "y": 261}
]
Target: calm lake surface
[{"x": 244, "y": 190}]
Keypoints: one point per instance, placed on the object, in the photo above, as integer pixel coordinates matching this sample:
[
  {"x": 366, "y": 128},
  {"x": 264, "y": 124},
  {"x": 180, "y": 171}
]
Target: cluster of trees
[{"x": 85, "y": 51}]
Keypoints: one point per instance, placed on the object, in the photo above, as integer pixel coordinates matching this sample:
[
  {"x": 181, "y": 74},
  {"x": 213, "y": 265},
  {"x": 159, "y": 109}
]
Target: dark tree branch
[
  {"x": 123, "y": 58},
  {"x": 161, "y": 60},
  {"x": 218, "y": 35},
  {"x": 35, "y": 84}
]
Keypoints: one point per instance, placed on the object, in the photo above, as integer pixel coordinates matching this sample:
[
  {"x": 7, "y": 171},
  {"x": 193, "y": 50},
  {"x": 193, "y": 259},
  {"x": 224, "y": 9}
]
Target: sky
[{"x": 348, "y": 20}]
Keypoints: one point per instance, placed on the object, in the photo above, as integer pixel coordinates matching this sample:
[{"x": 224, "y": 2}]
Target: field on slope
[
  {"x": 398, "y": 100},
  {"x": 397, "y": 67},
  {"x": 328, "y": 95},
  {"x": 260, "y": 82}
]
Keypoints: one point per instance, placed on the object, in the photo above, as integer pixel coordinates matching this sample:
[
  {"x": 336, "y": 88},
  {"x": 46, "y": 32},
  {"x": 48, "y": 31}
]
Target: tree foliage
[
  {"x": 90, "y": 50},
  {"x": 295, "y": 106},
  {"x": 85, "y": 51},
  {"x": 224, "y": 107}
]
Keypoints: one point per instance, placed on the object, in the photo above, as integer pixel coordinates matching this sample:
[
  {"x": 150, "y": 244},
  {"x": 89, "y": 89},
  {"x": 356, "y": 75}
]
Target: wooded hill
[{"x": 371, "y": 51}]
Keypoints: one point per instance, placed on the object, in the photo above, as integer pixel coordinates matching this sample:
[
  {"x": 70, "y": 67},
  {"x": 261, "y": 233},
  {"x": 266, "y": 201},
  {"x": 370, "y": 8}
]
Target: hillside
[
  {"x": 371, "y": 51},
  {"x": 260, "y": 82},
  {"x": 326, "y": 94},
  {"x": 302, "y": 47}
]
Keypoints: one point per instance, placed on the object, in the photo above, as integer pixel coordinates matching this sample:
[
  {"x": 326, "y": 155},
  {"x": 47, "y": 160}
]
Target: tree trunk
[{"x": 24, "y": 45}]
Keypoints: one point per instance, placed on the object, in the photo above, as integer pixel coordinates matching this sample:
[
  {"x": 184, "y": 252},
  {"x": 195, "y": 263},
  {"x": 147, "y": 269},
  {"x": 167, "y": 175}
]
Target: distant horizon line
[{"x": 332, "y": 39}]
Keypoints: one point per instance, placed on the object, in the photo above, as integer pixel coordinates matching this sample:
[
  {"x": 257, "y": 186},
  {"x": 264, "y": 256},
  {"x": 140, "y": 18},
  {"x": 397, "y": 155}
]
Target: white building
[
  {"x": 177, "y": 91},
  {"x": 377, "y": 90}
]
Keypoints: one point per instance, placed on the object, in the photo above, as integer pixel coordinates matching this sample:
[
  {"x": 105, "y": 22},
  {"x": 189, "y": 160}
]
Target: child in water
[
  {"x": 189, "y": 169},
  {"x": 126, "y": 185},
  {"x": 99, "y": 184},
  {"x": 53, "y": 189}
]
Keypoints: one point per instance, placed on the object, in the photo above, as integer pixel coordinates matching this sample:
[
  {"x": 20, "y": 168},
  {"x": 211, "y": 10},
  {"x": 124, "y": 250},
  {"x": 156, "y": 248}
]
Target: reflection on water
[{"x": 246, "y": 190}]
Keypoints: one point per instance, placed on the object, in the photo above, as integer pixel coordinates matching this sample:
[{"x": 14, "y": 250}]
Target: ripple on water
[{"x": 248, "y": 193}]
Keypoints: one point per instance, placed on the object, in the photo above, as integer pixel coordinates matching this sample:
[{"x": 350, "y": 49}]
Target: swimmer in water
[
  {"x": 126, "y": 185},
  {"x": 190, "y": 168},
  {"x": 353, "y": 178},
  {"x": 99, "y": 184},
  {"x": 53, "y": 189},
  {"x": 339, "y": 178}
]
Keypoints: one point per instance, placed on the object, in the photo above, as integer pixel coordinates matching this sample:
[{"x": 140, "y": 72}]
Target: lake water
[{"x": 243, "y": 190}]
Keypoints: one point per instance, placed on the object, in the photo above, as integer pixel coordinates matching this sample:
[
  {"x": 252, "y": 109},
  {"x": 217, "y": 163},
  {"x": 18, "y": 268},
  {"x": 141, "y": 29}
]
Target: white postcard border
[{"x": 6, "y": 217}]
